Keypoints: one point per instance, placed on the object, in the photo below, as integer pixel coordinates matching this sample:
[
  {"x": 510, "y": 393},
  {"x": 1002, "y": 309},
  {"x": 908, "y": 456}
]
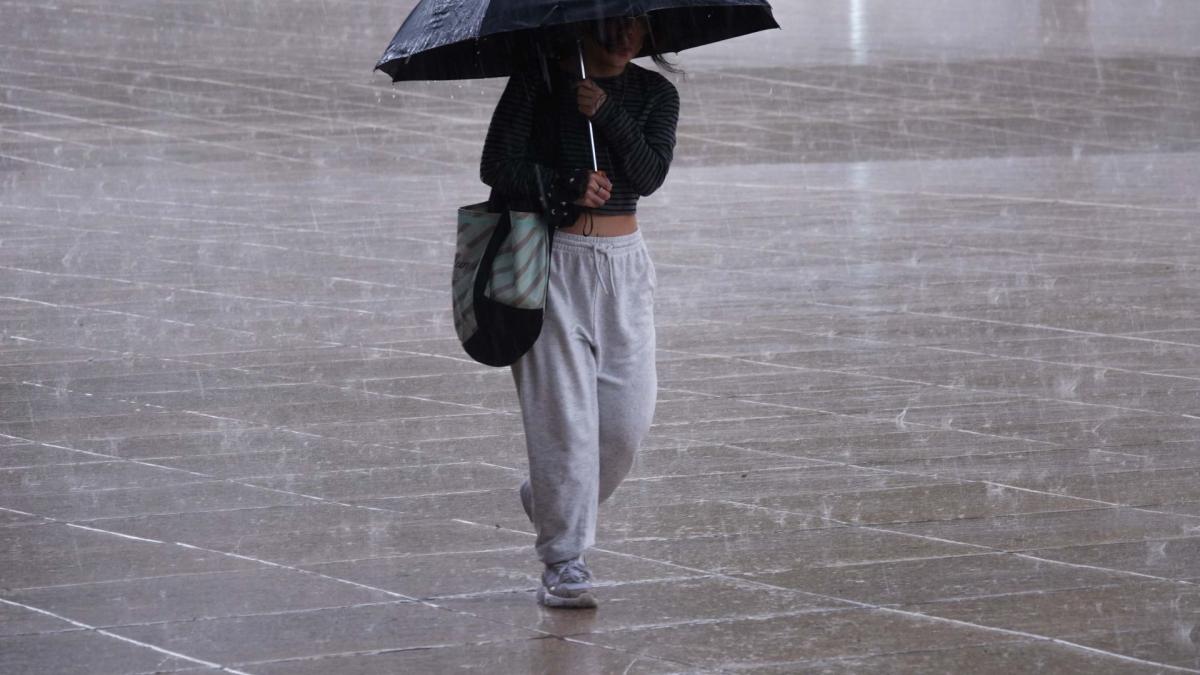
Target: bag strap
[{"x": 483, "y": 273}]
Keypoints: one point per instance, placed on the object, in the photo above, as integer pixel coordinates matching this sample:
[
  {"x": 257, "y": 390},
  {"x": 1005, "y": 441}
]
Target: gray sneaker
[{"x": 567, "y": 584}]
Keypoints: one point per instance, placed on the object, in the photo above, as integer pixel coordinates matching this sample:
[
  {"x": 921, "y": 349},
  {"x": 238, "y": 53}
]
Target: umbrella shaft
[{"x": 591, "y": 133}]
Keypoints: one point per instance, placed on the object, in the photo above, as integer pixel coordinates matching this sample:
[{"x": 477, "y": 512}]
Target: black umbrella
[{"x": 467, "y": 39}]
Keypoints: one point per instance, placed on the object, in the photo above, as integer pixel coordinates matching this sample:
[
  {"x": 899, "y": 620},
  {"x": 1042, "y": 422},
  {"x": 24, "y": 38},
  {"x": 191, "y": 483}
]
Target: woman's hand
[
  {"x": 598, "y": 191},
  {"x": 589, "y": 97}
]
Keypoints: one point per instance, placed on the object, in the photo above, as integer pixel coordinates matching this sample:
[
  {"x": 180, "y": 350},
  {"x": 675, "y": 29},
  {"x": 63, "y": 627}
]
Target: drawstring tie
[{"x": 604, "y": 251}]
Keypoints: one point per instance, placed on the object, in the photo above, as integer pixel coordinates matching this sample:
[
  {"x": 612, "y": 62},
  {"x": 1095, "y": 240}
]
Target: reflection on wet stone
[{"x": 928, "y": 353}]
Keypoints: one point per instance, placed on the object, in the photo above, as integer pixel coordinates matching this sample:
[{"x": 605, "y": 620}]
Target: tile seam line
[
  {"x": 150, "y": 461},
  {"x": 884, "y": 469},
  {"x": 1020, "y": 594},
  {"x": 889, "y": 378},
  {"x": 1112, "y": 65},
  {"x": 1079, "y": 101},
  {"x": 281, "y": 221},
  {"x": 248, "y": 615},
  {"x": 1115, "y": 63},
  {"x": 902, "y": 424},
  {"x": 314, "y": 498},
  {"x": 969, "y": 319},
  {"x": 598, "y": 584},
  {"x": 328, "y": 79},
  {"x": 961, "y": 122},
  {"x": 101, "y": 582},
  {"x": 122, "y": 638},
  {"x": 445, "y": 645},
  {"x": 846, "y": 259},
  {"x": 357, "y": 124},
  {"x": 908, "y": 613},
  {"x": 190, "y": 361},
  {"x": 16, "y": 158},
  {"x": 711, "y": 621},
  {"x": 954, "y": 317},
  {"x": 1020, "y": 66},
  {"x": 756, "y": 506},
  {"x": 831, "y": 189},
  {"x": 976, "y": 106},
  {"x": 1017, "y": 488},
  {"x": 101, "y": 310},
  {"x": 204, "y": 293},
  {"x": 1044, "y": 257},
  {"x": 172, "y": 486},
  {"x": 273, "y": 248},
  {"x": 215, "y": 121},
  {"x": 1045, "y": 220},
  {"x": 160, "y": 514},
  {"x": 197, "y": 26},
  {"x": 165, "y": 137},
  {"x": 280, "y": 380},
  {"x": 249, "y": 453},
  {"x": 433, "y": 646},
  {"x": 992, "y": 550},
  {"x": 1022, "y": 398},
  {"x": 1118, "y": 369}
]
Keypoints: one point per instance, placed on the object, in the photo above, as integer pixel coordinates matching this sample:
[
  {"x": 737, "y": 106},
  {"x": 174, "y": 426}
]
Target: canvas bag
[{"x": 500, "y": 282}]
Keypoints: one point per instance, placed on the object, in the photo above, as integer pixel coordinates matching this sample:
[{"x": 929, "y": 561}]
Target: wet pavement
[{"x": 929, "y": 353}]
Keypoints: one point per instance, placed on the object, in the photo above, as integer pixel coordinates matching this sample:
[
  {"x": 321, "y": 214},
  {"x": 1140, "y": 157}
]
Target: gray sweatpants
[{"x": 588, "y": 386}]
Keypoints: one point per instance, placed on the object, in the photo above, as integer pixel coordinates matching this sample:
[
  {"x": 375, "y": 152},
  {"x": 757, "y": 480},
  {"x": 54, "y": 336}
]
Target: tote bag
[{"x": 500, "y": 281}]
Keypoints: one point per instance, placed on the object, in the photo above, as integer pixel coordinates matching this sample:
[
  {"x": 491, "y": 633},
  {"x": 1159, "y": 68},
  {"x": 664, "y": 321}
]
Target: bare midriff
[{"x": 604, "y": 226}]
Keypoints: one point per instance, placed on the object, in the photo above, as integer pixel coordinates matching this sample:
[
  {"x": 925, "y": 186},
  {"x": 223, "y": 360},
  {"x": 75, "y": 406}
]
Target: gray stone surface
[{"x": 929, "y": 352}]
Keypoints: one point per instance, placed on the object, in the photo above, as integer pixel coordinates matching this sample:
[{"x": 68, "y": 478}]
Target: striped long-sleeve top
[{"x": 537, "y": 151}]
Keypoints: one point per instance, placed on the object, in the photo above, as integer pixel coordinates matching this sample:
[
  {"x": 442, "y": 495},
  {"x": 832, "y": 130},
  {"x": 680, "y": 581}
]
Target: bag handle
[{"x": 483, "y": 273}]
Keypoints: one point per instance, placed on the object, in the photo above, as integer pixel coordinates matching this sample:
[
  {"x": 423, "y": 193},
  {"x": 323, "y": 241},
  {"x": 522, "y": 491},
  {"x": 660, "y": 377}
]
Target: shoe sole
[{"x": 584, "y": 600}]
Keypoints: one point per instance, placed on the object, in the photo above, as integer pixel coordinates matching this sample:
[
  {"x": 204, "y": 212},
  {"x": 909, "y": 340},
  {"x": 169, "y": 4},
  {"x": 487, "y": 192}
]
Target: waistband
[{"x": 612, "y": 245}]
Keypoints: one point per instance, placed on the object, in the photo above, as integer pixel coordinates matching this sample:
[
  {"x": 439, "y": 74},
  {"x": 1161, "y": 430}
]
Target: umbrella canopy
[{"x": 467, "y": 39}]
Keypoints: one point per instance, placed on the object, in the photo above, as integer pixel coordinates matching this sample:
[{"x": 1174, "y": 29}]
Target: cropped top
[{"x": 537, "y": 153}]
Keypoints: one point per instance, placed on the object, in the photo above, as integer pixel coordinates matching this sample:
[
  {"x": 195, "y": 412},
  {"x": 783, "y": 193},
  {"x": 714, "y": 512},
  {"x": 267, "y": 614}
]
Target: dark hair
[
  {"x": 659, "y": 60},
  {"x": 561, "y": 41},
  {"x": 662, "y": 62}
]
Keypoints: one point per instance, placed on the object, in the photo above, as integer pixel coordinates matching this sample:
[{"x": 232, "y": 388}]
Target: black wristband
[
  {"x": 573, "y": 183},
  {"x": 559, "y": 201}
]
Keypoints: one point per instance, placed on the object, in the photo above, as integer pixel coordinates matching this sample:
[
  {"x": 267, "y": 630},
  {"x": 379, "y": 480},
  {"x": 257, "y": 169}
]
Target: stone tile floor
[{"x": 929, "y": 329}]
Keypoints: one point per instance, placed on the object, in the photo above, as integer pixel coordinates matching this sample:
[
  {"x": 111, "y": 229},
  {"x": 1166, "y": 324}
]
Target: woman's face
[{"x": 619, "y": 40}]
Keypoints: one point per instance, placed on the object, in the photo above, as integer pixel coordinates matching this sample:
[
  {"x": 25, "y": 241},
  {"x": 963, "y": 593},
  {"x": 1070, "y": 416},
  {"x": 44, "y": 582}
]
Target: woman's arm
[
  {"x": 506, "y": 165},
  {"x": 645, "y": 152}
]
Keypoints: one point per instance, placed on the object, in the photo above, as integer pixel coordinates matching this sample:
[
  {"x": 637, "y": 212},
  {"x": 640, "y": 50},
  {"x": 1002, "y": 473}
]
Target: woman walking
[{"x": 588, "y": 386}]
